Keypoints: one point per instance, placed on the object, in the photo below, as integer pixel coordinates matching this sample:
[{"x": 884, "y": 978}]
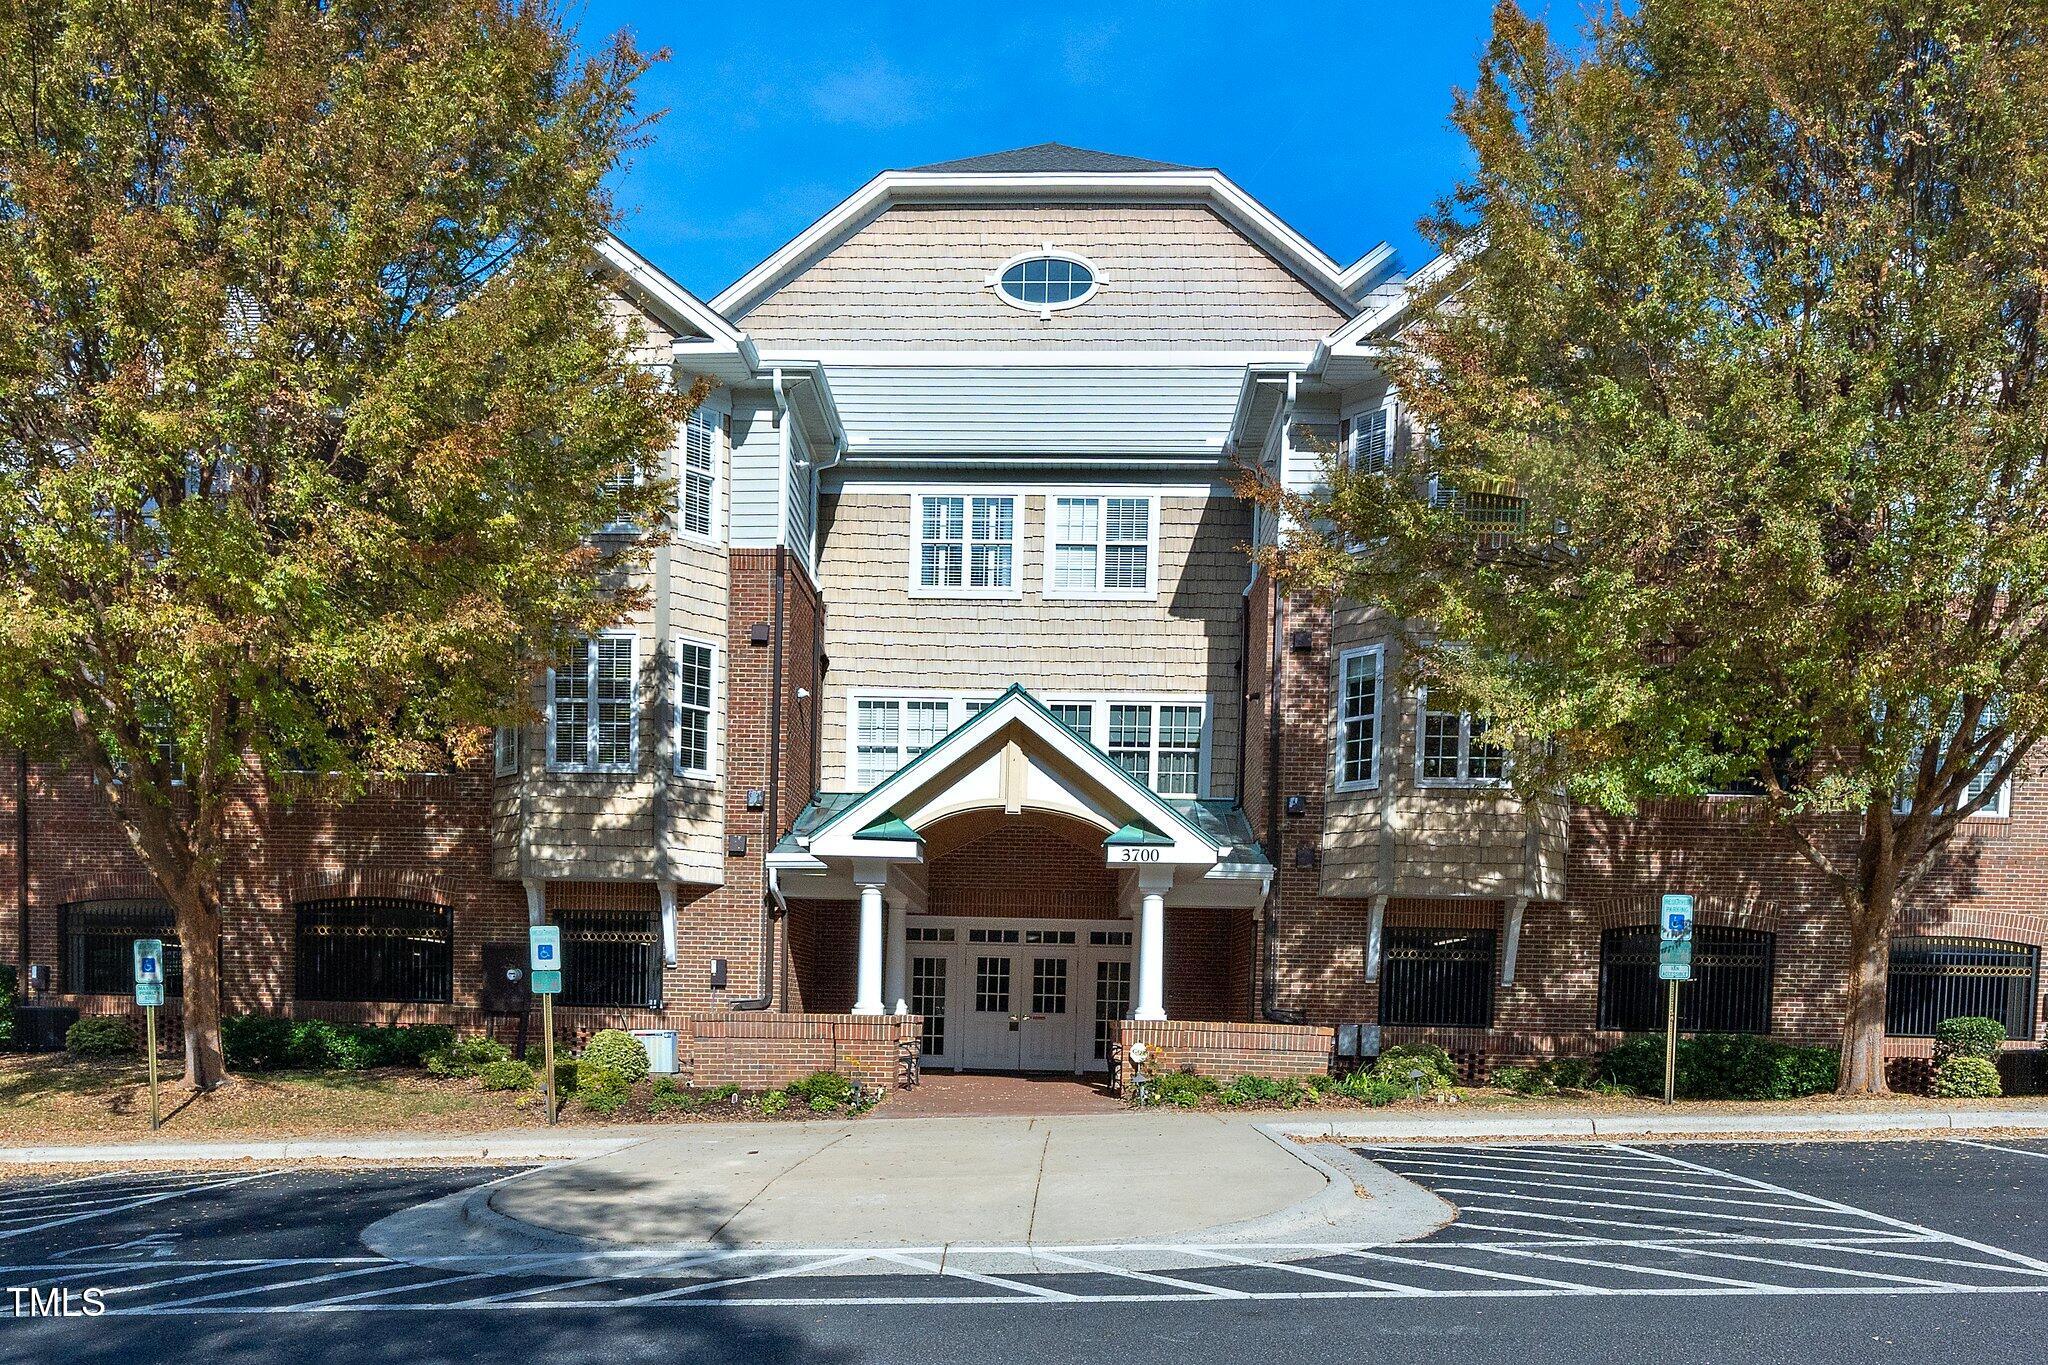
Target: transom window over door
[
  {"x": 1358, "y": 718},
  {"x": 592, "y": 705},
  {"x": 1100, "y": 546},
  {"x": 967, "y": 543}
]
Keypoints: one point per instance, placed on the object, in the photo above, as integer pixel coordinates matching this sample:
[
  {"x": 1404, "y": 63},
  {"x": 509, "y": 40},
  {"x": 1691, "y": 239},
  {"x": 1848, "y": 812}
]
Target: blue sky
[{"x": 1335, "y": 116}]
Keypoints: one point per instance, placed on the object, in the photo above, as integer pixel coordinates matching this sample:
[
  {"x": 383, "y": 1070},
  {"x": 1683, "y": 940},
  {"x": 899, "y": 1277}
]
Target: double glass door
[{"x": 1020, "y": 1014}]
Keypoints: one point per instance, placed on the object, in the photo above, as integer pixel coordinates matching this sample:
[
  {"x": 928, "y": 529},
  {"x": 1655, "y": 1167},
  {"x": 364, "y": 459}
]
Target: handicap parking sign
[
  {"x": 544, "y": 948},
  {"x": 1677, "y": 912}
]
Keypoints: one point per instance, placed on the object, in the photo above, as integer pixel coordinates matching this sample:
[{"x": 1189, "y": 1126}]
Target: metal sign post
[
  {"x": 1674, "y": 964},
  {"x": 149, "y": 993},
  {"x": 544, "y": 958}
]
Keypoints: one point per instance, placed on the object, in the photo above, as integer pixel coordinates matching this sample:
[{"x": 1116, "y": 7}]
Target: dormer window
[{"x": 1045, "y": 281}]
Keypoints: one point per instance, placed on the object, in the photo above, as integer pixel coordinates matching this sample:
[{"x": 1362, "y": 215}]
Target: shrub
[
  {"x": 1523, "y": 1080},
  {"x": 505, "y": 1075},
  {"x": 1365, "y": 1088},
  {"x": 255, "y": 1042},
  {"x": 824, "y": 1091},
  {"x": 619, "y": 1050},
  {"x": 1399, "y": 1064},
  {"x": 1963, "y": 1077},
  {"x": 1567, "y": 1073},
  {"x": 1723, "y": 1066},
  {"x": 718, "y": 1094},
  {"x": 411, "y": 1044},
  {"x": 1179, "y": 1089},
  {"x": 601, "y": 1088},
  {"x": 774, "y": 1101},
  {"x": 1261, "y": 1090},
  {"x": 8, "y": 983},
  {"x": 467, "y": 1056},
  {"x": 1968, "y": 1035},
  {"x": 100, "y": 1035},
  {"x": 667, "y": 1097},
  {"x": 568, "y": 1075}
]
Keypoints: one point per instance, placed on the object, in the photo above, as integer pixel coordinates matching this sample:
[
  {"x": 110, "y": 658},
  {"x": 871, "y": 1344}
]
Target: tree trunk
[
  {"x": 199, "y": 942},
  {"x": 1863, "y": 1018}
]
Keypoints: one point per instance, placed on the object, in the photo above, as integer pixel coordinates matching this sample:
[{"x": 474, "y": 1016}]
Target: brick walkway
[{"x": 945, "y": 1095}]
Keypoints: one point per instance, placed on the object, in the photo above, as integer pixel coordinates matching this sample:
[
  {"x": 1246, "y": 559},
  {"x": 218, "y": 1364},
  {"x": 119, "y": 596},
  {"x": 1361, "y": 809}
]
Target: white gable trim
[
  {"x": 1307, "y": 261},
  {"x": 933, "y": 782}
]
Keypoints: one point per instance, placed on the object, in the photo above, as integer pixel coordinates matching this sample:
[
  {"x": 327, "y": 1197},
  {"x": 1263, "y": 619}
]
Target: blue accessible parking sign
[
  {"x": 544, "y": 949},
  {"x": 1674, "y": 953}
]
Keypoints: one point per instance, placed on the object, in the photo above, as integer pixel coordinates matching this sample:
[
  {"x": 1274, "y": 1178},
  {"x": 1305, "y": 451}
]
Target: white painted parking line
[
  {"x": 112, "y": 1209},
  {"x": 807, "y": 1268},
  {"x": 1215, "y": 1291},
  {"x": 1310, "y": 1271},
  {"x": 1607, "y": 1185},
  {"x": 1482, "y": 1272},
  {"x": 946, "y": 1268},
  {"x": 268, "y": 1288},
  {"x": 1652, "y": 1208},
  {"x": 1999, "y": 1147},
  {"x": 1981, "y": 1247},
  {"x": 1634, "y": 1268}
]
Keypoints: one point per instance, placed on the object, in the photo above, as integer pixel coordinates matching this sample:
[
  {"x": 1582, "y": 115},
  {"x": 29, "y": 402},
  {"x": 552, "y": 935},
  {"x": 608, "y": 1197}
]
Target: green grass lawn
[{"x": 50, "y": 1098}]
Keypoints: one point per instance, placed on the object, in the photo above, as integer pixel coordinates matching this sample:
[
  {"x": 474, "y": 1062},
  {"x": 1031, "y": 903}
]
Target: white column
[
  {"x": 894, "y": 958},
  {"x": 536, "y": 900},
  {"x": 1151, "y": 956},
  {"x": 667, "y": 892},
  {"x": 868, "y": 994}
]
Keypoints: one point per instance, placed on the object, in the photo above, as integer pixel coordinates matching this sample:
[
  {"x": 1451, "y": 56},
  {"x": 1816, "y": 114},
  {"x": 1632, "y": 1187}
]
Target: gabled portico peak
[{"x": 1017, "y": 758}]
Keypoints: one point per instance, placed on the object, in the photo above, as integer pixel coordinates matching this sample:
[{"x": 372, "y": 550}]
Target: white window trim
[
  {"x": 1354, "y": 420},
  {"x": 713, "y": 731},
  {"x": 623, "y": 526},
  {"x": 994, "y": 281},
  {"x": 1378, "y": 655},
  {"x": 632, "y": 764},
  {"x": 1098, "y": 735},
  {"x": 1463, "y": 780},
  {"x": 717, "y": 419},
  {"x": 968, "y": 492},
  {"x": 1149, "y": 593},
  {"x": 1999, "y": 807},
  {"x": 500, "y": 767}
]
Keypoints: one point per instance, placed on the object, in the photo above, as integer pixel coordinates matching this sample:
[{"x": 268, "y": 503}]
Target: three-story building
[{"x": 958, "y": 701}]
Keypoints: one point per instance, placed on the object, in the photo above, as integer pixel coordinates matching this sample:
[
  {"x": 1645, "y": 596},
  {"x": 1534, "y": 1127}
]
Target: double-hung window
[
  {"x": 696, "y": 691},
  {"x": 890, "y": 731},
  {"x": 2000, "y": 803},
  {"x": 1101, "y": 546},
  {"x": 1452, "y": 749},
  {"x": 966, "y": 543},
  {"x": 592, "y": 704},
  {"x": 698, "y": 493},
  {"x": 1358, "y": 718},
  {"x": 506, "y": 751},
  {"x": 1158, "y": 744}
]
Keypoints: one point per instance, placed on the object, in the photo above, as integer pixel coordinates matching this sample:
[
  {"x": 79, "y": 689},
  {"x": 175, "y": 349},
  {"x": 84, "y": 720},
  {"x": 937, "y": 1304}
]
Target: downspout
[
  {"x": 664, "y": 751},
  {"x": 772, "y": 903},
  {"x": 1269, "y": 982},
  {"x": 21, "y": 866}
]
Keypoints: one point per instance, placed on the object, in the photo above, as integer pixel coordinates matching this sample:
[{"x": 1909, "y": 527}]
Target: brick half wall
[
  {"x": 1225, "y": 1051},
  {"x": 766, "y": 1051}
]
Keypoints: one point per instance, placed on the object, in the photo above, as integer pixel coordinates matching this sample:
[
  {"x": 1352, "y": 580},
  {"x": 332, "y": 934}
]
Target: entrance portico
[{"x": 976, "y": 908}]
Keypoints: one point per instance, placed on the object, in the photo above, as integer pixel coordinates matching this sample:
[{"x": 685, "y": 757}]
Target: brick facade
[{"x": 1224, "y": 1051}]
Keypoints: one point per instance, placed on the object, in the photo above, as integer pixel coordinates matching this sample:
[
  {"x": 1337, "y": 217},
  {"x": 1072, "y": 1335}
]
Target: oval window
[{"x": 1046, "y": 282}]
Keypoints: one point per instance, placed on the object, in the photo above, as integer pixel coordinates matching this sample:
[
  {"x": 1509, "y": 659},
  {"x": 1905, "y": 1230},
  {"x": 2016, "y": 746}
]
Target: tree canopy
[
  {"x": 1730, "y": 461},
  {"x": 310, "y": 391}
]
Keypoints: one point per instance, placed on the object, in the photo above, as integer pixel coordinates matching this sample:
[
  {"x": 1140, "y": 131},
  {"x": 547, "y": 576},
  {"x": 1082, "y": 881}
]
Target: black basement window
[
  {"x": 611, "y": 958},
  {"x": 1730, "y": 990},
  {"x": 96, "y": 945},
  {"x": 1442, "y": 978},
  {"x": 375, "y": 950},
  {"x": 1933, "y": 979}
]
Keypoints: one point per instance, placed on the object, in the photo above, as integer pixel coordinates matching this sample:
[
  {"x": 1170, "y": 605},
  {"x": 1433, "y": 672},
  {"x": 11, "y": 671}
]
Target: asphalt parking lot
[{"x": 1807, "y": 1251}]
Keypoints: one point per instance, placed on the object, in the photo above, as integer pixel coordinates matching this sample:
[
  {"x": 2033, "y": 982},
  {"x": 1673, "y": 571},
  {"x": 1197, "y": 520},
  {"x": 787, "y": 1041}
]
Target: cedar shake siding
[{"x": 1172, "y": 277}]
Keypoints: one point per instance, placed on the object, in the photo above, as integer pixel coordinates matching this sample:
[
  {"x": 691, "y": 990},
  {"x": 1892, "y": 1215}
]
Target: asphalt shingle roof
[{"x": 1049, "y": 157}]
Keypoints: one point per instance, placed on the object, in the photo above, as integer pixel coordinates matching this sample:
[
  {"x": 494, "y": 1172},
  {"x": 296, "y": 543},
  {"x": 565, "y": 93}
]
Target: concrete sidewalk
[{"x": 1014, "y": 1181}]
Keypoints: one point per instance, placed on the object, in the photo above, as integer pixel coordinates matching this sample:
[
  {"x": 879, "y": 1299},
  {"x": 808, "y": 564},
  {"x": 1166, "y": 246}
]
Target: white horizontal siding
[
  {"x": 756, "y": 474},
  {"x": 1180, "y": 411}
]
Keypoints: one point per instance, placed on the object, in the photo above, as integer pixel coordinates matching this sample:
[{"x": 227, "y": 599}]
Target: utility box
[{"x": 661, "y": 1049}]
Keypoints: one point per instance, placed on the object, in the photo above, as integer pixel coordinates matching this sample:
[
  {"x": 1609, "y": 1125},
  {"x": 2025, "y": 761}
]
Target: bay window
[
  {"x": 1452, "y": 749},
  {"x": 1358, "y": 718},
  {"x": 592, "y": 705}
]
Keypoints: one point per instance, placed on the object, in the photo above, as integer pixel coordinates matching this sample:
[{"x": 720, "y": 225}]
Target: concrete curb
[
  {"x": 536, "y": 1147},
  {"x": 1405, "y": 1129}
]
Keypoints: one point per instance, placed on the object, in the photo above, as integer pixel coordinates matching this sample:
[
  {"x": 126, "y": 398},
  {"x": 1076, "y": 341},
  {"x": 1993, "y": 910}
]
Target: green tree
[
  {"x": 1731, "y": 380},
  {"x": 309, "y": 398}
]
